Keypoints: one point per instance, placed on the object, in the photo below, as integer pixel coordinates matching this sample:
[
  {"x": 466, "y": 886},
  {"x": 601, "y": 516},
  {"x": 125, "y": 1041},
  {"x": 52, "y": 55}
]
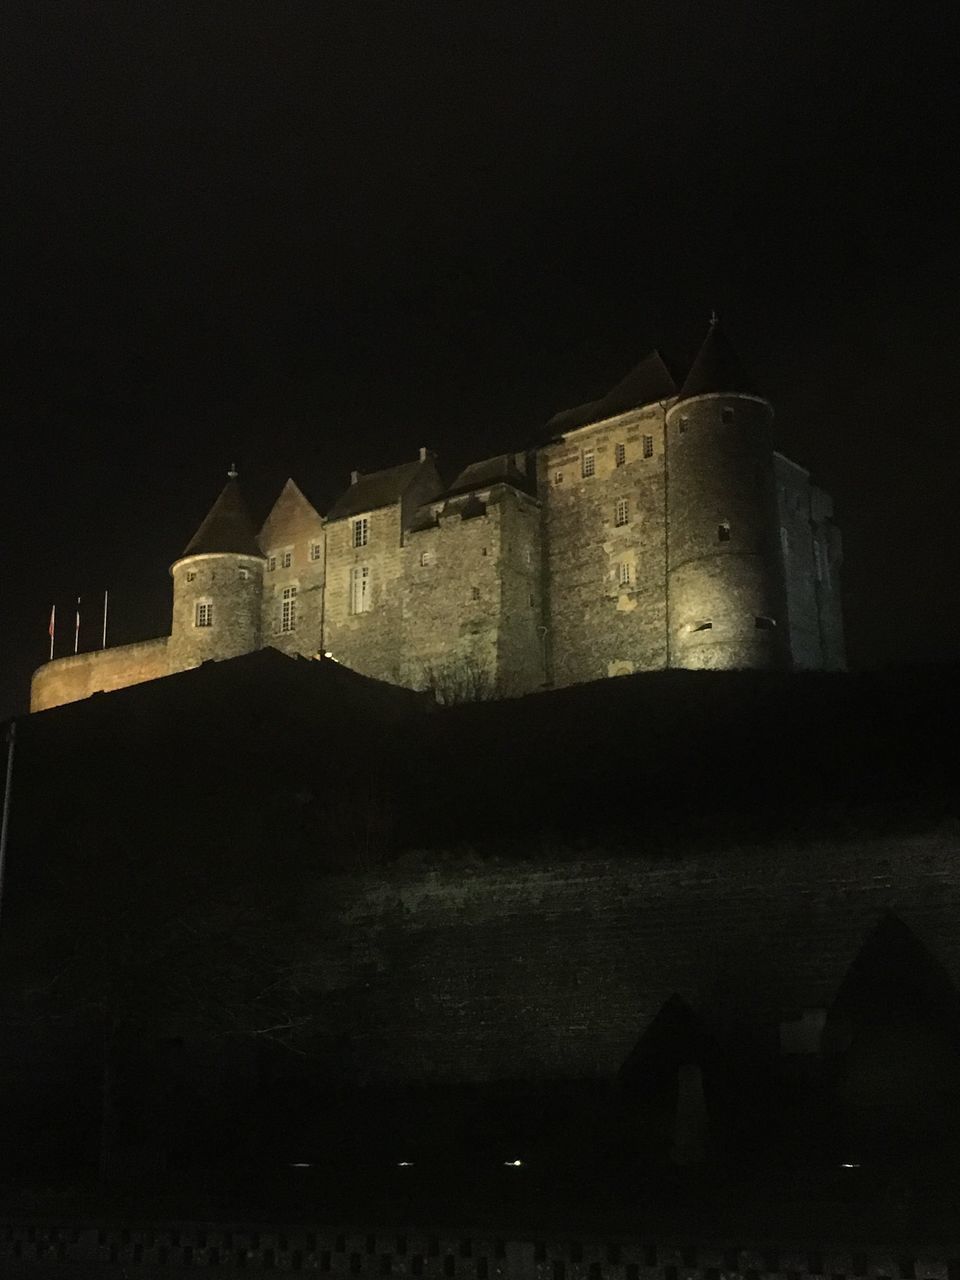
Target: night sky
[{"x": 314, "y": 236}]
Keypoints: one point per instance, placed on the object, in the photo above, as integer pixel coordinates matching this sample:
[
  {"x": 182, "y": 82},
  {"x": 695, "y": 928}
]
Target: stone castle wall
[
  {"x": 232, "y": 586},
  {"x": 598, "y": 624},
  {"x": 457, "y": 968},
  {"x": 82, "y": 674}
]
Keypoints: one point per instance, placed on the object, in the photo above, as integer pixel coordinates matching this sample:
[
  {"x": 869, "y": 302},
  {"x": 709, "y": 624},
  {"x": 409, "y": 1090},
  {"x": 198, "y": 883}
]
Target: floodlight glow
[{"x": 512, "y": 1164}]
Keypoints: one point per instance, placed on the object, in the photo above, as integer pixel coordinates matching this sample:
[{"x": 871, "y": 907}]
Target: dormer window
[{"x": 361, "y": 531}]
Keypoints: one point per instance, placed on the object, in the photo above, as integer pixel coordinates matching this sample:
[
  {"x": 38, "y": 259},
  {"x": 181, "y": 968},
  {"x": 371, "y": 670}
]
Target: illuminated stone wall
[
  {"x": 472, "y": 597},
  {"x": 79, "y": 675},
  {"x": 233, "y": 586},
  {"x": 597, "y": 625},
  {"x": 293, "y": 528}
]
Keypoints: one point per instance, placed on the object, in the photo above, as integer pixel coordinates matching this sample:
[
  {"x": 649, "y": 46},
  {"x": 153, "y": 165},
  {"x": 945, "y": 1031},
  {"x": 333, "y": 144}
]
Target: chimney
[{"x": 354, "y": 477}]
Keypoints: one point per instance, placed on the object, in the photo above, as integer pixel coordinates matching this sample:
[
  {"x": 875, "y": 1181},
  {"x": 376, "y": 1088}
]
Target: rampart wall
[
  {"x": 484, "y": 970},
  {"x": 81, "y": 674}
]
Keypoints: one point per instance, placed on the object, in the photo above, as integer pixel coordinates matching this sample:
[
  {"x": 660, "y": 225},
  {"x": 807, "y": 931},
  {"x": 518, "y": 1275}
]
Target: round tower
[
  {"x": 725, "y": 594},
  {"x": 218, "y": 586}
]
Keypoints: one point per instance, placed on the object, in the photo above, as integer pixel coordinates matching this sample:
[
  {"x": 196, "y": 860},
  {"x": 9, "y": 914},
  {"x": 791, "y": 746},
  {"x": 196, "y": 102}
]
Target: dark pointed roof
[
  {"x": 502, "y": 469},
  {"x": 716, "y": 368},
  {"x": 648, "y": 382},
  {"x": 227, "y": 528},
  {"x": 377, "y": 489}
]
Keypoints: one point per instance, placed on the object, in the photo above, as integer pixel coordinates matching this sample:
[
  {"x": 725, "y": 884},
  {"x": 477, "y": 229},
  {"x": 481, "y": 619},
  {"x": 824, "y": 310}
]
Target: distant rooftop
[
  {"x": 227, "y": 527},
  {"x": 648, "y": 382}
]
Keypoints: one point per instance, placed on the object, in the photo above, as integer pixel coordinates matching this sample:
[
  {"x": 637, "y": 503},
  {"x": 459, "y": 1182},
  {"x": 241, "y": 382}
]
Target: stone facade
[{"x": 654, "y": 528}]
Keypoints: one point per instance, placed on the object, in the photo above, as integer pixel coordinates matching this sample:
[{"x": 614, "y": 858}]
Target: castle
[{"x": 653, "y": 528}]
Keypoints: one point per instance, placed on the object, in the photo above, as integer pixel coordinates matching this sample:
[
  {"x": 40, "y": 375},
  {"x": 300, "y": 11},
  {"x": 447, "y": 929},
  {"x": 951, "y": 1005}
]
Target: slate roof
[
  {"x": 716, "y": 368},
  {"x": 648, "y": 382},
  {"x": 502, "y": 469},
  {"x": 378, "y": 489},
  {"x": 227, "y": 527}
]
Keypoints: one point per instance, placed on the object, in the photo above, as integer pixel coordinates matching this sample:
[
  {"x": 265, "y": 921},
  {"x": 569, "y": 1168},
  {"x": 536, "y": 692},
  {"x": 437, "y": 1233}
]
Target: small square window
[
  {"x": 620, "y": 454},
  {"x": 475, "y": 593},
  {"x": 648, "y": 446},
  {"x": 361, "y": 531},
  {"x": 316, "y": 551},
  {"x": 588, "y": 463},
  {"x": 621, "y": 515},
  {"x": 286, "y": 559},
  {"x": 191, "y": 575},
  {"x": 243, "y": 574},
  {"x": 426, "y": 557},
  {"x": 558, "y": 477}
]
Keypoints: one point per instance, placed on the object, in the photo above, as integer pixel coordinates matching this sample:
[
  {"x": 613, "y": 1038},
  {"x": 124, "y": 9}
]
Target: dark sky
[{"x": 314, "y": 236}]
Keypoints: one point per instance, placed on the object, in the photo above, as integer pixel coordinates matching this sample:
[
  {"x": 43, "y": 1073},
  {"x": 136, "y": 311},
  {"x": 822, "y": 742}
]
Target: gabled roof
[
  {"x": 290, "y": 508},
  {"x": 647, "y": 383},
  {"x": 502, "y": 469},
  {"x": 716, "y": 368},
  {"x": 227, "y": 528},
  {"x": 378, "y": 489}
]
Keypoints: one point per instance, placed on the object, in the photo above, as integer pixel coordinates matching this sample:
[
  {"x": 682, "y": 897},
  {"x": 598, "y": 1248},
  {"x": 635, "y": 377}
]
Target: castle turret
[
  {"x": 218, "y": 586},
  {"x": 725, "y": 596}
]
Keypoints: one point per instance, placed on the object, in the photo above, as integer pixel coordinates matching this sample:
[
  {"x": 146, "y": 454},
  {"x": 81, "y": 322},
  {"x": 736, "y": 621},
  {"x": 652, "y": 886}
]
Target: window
[
  {"x": 726, "y": 415},
  {"x": 684, "y": 423},
  {"x": 316, "y": 551},
  {"x": 286, "y": 558},
  {"x": 623, "y": 573},
  {"x": 723, "y": 531},
  {"x": 426, "y": 557},
  {"x": 620, "y": 454},
  {"x": 361, "y": 530},
  {"x": 203, "y": 615},
  {"x": 764, "y": 624},
  {"x": 475, "y": 593},
  {"x": 359, "y": 589},
  {"x": 648, "y": 446},
  {"x": 191, "y": 575},
  {"x": 271, "y": 564},
  {"x": 705, "y": 625},
  {"x": 621, "y": 515},
  {"x": 558, "y": 477},
  {"x": 588, "y": 463},
  {"x": 243, "y": 574},
  {"x": 288, "y": 609}
]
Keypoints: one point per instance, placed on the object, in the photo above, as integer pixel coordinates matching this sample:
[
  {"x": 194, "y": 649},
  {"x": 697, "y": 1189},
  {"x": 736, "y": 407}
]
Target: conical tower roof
[
  {"x": 717, "y": 368},
  {"x": 227, "y": 528}
]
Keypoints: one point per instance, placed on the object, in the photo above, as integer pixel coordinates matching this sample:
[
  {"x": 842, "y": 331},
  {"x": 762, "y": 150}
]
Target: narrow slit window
[{"x": 723, "y": 531}]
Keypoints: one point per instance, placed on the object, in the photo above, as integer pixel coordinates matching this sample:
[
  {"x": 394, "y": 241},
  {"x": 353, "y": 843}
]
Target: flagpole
[
  {"x": 105, "y": 597},
  {"x": 52, "y": 628},
  {"x": 76, "y": 630},
  {"x": 11, "y": 736}
]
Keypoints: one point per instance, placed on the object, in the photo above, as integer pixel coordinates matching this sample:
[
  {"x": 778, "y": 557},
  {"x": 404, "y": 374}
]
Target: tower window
[
  {"x": 243, "y": 574},
  {"x": 648, "y": 446},
  {"x": 621, "y": 514},
  {"x": 474, "y": 593},
  {"x": 623, "y": 573},
  {"x": 763, "y": 623},
  {"x": 288, "y": 609},
  {"x": 360, "y": 532},
  {"x": 359, "y": 589},
  {"x": 588, "y": 463},
  {"x": 203, "y": 614},
  {"x": 426, "y": 557},
  {"x": 558, "y": 477},
  {"x": 684, "y": 423},
  {"x": 620, "y": 454},
  {"x": 286, "y": 558},
  {"x": 723, "y": 531},
  {"x": 316, "y": 551},
  {"x": 727, "y": 415},
  {"x": 191, "y": 575}
]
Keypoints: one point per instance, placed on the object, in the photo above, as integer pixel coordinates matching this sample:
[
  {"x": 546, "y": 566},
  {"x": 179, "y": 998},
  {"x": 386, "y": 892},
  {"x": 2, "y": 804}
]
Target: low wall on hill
[
  {"x": 80, "y": 674},
  {"x": 500, "y": 968}
]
